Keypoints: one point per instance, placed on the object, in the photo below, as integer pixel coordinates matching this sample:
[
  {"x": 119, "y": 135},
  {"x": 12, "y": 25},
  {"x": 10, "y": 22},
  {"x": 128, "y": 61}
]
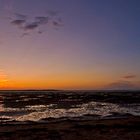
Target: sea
[{"x": 22, "y": 106}]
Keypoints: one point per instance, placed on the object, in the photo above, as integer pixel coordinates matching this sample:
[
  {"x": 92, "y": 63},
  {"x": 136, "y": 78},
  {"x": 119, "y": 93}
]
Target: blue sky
[{"x": 95, "y": 41}]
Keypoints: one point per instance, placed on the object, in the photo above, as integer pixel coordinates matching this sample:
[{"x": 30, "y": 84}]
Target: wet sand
[{"x": 108, "y": 129}]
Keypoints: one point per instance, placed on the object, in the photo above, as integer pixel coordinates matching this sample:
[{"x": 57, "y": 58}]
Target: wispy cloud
[
  {"x": 121, "y": 85},
  {"x": 21, "y": 16},
  {"x": 57, "y": 23},
  {"x": 42, "y": 20},
  {"x": 126, "y": 82},
  {"x": 30, "y": 26},
  {"x": 26, "y": 25},
  {"x": 130, "y": 76},
  {"x": 18, "y": 22},
  {"x": 24, "y": 34}
]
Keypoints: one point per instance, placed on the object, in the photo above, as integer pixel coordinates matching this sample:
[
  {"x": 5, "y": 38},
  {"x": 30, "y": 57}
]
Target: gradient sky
[{"x": 96, "y": 45}]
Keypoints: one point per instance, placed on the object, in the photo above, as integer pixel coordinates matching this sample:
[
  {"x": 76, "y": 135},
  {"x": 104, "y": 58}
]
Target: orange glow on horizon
[
  {"x": 85, "y": 80},
  {"x": 3, "y": 80},
  {"x": 54, "y": 83}
]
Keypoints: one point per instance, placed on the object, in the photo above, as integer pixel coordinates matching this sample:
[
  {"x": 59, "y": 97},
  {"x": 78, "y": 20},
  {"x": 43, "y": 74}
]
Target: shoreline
[{"x": 105, "y": 129}]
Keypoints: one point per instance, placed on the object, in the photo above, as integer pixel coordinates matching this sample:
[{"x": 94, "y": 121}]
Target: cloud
[
  {"x": 23, "y": 22},
  {"x": 57, "y": 23},
  {"x": 38, "y": 21},
  {"x": 131, "y": 76},
  {"x": 21, "y": 16},
  {"x": 42, "y": 20},
  {"x": 18, "y": 22},
  {"x": 122, "y": 85},
  {"x": 24, "y": 34},
  {"x": 31, "y": 26}
]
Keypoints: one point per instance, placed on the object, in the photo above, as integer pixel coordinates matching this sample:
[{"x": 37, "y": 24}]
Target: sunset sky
[{"x": 69, "y": 44}]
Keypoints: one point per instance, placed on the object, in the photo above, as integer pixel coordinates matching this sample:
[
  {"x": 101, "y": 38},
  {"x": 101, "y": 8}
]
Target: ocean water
[{"x": 22, "y": 106}]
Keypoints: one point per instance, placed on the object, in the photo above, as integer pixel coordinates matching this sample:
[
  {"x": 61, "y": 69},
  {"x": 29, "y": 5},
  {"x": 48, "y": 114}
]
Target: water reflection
[
  {"x": 1, "y": 108},
  {"x": 35, "y": 107},
  {"x": 1, "y": 104},
  {"x": 92, "y": 108}
]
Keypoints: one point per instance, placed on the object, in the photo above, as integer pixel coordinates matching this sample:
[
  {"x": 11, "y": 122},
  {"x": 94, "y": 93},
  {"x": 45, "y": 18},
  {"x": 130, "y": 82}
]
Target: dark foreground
[{"x": 107, "y": 129}]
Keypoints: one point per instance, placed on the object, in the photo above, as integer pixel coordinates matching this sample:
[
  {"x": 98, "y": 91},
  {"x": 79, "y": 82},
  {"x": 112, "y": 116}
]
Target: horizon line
[{"x": 69, "y": 89}]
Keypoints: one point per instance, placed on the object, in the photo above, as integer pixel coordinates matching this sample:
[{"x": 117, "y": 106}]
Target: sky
[{"x": 69, "y": 44}]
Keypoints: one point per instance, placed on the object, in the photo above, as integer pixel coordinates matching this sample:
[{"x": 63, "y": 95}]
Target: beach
[
  {"x": 69, "y": 115},
  {"x": 107, "y": 129},
  {"x": 69, "y": 70}
]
